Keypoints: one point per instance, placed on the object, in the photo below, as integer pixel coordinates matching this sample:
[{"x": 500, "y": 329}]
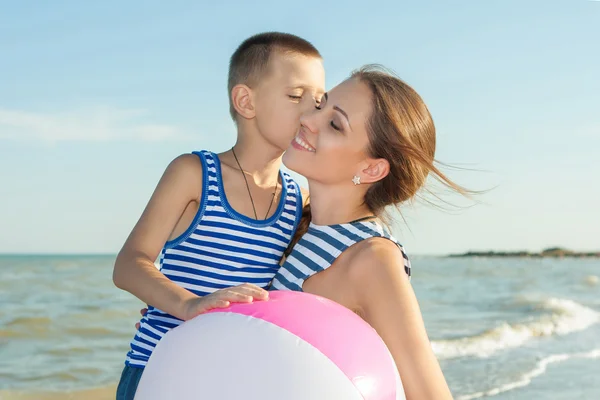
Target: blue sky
[{"x": 97, "y": 98}]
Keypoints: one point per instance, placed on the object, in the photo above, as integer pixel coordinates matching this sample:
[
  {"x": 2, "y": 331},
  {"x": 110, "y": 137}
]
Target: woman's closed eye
[{"x": 335, "y": 126}]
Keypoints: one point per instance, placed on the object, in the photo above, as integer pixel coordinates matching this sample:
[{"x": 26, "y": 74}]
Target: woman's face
[{"x": 331, "y": 144}]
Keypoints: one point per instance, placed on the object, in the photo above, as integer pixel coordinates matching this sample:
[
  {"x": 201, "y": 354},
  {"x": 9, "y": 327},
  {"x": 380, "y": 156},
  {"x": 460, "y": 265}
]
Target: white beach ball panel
[{"x": 227, "y": 355}]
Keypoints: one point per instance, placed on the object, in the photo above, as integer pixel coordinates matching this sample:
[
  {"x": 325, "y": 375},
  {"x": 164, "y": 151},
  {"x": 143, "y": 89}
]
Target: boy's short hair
[{"x": 250, "y": 61}]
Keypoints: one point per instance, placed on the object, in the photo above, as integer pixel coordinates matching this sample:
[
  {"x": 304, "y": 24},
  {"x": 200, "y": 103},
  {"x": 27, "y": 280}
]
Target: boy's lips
[{"x": 301, "y": 143}]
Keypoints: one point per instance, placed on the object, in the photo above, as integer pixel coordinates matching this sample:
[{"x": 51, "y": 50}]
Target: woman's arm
[{"x": 389, "y": 305}]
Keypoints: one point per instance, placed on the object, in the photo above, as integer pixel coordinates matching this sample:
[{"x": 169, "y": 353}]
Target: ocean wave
[
  {"x": 591, "y": 280},
  {"x": 526, "y": 378},
  {"x": 28, "y": 322},
  {"x": 26, "y": 327},
  {"x": 67, "y": 351},
  {"x": 89, "y": 331},
  {"x": 566, "y": 317},
  {"x": 7, "y": 333}
]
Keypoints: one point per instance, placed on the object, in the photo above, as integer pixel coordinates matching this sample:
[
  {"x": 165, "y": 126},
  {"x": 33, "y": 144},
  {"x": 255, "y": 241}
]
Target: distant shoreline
[
  {"x": 554, "y": 252},
  {"x": 548, "y": 253}
]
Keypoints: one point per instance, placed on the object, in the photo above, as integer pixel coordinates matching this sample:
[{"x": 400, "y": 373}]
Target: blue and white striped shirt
[
  {"x": 321, "y": 245},
  {"x": 221, "y": 248}
]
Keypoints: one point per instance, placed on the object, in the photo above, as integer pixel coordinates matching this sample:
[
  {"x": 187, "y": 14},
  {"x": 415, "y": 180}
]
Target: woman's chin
[{"x": 294, "y": 160}]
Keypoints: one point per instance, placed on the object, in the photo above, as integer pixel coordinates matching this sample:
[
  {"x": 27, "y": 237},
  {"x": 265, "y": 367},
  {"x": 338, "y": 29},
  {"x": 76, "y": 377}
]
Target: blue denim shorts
[{"x": 130, "y": 377}]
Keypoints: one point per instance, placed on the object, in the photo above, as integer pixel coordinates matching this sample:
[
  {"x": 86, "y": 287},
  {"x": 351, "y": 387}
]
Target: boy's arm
[{"x": 134, "y": 269}]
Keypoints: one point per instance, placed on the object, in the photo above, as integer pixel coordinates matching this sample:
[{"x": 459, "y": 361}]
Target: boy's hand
[{"x": 245, "y": 293}]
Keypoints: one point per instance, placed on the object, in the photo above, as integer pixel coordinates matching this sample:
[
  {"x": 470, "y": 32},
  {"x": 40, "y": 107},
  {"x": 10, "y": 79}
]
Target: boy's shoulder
[
  {"x": 190, "y": 166},
  {"x": 192, "y": 162},
  {"x": 187, "y": 163},
  {"x": 186, "y": 170}
]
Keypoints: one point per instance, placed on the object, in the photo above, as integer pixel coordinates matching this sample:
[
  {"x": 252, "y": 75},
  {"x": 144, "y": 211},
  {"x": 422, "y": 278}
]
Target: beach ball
[{"x": 294, "y": 346}]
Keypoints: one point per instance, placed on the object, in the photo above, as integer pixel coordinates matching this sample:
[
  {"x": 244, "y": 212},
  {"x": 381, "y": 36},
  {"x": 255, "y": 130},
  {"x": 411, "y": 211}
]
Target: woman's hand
[{"x": 143, "y": 311}]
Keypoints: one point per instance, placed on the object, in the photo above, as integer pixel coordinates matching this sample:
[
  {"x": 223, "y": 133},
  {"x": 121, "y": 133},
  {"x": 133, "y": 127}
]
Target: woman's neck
[{"x": 332, "y": 205}]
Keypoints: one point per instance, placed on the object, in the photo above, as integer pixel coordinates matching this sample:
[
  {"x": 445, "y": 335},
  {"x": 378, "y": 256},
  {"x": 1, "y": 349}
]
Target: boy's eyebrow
[{"x": 300, "y": 86}]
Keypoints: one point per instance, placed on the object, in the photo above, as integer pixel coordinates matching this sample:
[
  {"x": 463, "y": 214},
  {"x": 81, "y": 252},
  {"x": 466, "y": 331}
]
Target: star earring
[{"x": 356, "y": 180}]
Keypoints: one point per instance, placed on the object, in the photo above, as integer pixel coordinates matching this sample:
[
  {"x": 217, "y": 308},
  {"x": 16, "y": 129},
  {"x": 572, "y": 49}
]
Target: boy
[{"x": 218, "y": 221}]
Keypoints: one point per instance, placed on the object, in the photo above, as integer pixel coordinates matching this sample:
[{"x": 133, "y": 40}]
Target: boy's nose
[{"x": 308, "y": 103}]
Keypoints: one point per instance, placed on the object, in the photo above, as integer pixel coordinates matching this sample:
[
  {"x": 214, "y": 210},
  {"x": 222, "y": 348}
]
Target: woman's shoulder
[
  {"x": 377, "y": 258},
  {"x": 379, "y": 249}
]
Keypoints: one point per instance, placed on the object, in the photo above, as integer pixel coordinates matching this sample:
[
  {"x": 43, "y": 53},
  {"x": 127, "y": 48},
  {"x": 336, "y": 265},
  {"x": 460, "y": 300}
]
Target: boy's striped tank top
[
  {"x": 321, "y": 245},
  {"x": 221, "y": 248}
]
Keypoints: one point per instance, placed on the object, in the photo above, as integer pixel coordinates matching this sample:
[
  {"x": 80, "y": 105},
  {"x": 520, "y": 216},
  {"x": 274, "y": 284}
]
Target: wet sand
[{"x": 105, "y": 393}]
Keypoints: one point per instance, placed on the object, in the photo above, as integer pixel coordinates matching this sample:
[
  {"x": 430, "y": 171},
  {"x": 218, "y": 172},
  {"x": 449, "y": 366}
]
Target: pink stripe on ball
[{"x": 341, "y": 335}]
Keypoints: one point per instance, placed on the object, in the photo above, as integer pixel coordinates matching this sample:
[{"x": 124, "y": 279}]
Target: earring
[{"x": 356, "y": 180}]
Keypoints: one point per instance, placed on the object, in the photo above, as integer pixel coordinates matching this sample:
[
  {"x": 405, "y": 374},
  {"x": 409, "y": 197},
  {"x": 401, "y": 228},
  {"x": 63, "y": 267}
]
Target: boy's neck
[
  {"x": 339, "y": 204},
  {"x": 260, "y": 160}
]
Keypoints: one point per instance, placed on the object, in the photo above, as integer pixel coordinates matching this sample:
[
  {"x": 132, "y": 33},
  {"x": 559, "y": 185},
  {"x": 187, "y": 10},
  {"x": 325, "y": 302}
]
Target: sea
[{"x": 502, "y": 328}]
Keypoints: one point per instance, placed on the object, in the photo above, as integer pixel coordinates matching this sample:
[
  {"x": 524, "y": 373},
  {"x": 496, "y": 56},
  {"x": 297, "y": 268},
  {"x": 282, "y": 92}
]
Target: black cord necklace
[{"x": 248, "y": 187}]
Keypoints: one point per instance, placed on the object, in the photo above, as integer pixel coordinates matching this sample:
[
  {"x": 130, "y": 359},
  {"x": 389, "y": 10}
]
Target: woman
[{"x": 369, "y": 144}]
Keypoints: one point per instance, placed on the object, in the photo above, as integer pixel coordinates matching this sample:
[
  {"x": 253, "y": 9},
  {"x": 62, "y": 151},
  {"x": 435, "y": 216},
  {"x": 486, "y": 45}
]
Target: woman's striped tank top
[
  {"x": 321, "y": 245},
  {"x": 221, "y": 248}
]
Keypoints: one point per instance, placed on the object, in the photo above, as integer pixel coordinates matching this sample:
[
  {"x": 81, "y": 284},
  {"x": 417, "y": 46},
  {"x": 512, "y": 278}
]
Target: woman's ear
[{"x": 376, "y": 170}]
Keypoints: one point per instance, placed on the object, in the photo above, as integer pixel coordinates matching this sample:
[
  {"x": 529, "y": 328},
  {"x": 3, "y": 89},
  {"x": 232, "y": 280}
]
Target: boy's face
[{"x": 293, "y": 84}]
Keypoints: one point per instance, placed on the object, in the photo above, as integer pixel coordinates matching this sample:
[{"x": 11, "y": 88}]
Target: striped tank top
[
  {"x": 221, "y": 248},
  {"x": 321, "y": 245}
]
